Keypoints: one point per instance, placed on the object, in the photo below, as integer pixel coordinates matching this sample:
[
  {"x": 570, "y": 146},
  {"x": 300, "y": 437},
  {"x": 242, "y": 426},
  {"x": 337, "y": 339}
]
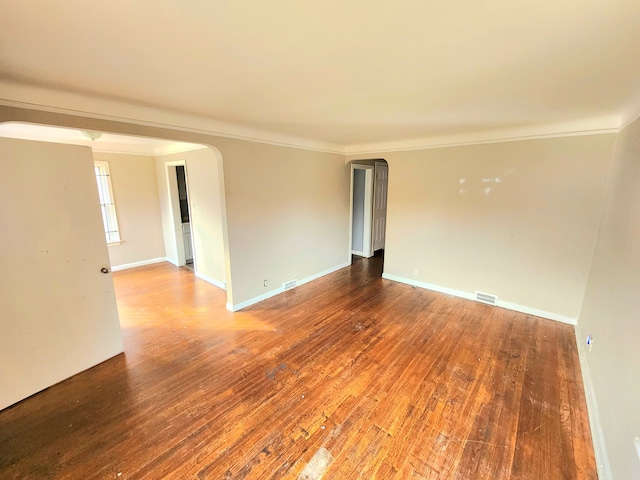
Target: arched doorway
[{"x": 368, "y": 208}]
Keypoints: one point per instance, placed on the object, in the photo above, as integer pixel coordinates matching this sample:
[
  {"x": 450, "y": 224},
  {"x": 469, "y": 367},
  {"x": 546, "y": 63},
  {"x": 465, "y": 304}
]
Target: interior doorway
[
  {"x": 368, "y": 208},
  {"x": 146, "y": 214},
  {"x": 183, "y": 198},
  {"x": 361, "y": 200},
  {"x": 178, "y": 191}
]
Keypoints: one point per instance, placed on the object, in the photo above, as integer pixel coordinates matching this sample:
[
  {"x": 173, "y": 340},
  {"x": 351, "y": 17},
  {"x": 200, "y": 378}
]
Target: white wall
[
  {"x": 611, "y": 310},
  {"x": 287, "y": 208},
  {"x": 58, "y": 313},
  {"x": 206, "y": 209},
  {"x": 135, "y": 191},
  {"x": 287, "y": 213},
  {"x": 516, "y": 219}
]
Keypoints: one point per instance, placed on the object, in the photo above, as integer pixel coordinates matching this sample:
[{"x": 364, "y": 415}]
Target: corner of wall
[{"x": 597, "y": 435}]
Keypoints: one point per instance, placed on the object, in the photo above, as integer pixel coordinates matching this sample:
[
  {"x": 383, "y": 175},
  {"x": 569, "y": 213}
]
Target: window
[{"x": 107, "y": 205}]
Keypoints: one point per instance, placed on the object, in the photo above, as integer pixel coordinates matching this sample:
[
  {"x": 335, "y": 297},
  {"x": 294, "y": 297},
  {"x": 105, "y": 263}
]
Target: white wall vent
[
  {"x": 290, "y": 284},
  {"x": 486, "y": 298}
]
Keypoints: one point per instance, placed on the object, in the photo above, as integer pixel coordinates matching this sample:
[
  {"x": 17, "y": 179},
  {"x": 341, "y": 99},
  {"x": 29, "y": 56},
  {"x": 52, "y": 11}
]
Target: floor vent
[
  {"x": 486, "y": 298},
  {"x": 290, "y": 284}
]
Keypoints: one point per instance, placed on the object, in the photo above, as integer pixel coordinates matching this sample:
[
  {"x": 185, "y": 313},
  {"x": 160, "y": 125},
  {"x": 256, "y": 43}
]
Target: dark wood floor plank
[{"x": 378, "y": 379}]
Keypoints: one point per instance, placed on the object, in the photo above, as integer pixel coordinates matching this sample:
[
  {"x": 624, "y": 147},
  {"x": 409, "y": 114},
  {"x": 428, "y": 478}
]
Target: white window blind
[{"x": 107, "y": 205}]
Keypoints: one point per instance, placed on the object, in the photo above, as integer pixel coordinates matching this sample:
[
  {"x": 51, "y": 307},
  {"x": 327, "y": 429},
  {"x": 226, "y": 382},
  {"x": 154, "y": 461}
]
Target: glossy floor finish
[{"x": 350, "y": 377}]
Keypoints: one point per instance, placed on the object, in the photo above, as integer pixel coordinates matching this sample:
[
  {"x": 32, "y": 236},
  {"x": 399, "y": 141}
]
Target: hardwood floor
[{"x": 350, "y": 375}]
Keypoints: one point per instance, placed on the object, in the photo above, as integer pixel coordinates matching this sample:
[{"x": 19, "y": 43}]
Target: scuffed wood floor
[{"x": 352, "y": 376}]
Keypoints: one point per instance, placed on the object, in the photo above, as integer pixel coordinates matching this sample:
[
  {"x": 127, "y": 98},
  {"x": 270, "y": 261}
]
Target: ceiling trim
[
  {"x": 103, "y": 144},
  {"x": 54, "y": 101},
  {"x": 154, "y": 152},
  {"x": 120, "y": 151},
  {"x": 171, "y": 149},
  {"x": 15, "y": 95},
  {"x": 481, "y": 138}
]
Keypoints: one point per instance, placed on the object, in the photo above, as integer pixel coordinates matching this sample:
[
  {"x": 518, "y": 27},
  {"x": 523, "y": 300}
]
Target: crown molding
[
  {"x": 37, "y": 98},
  {"x": 589, "y": 127},
  {"x": 177, "y": 148},
  {"x": 117, "y": 149},
  {"x": 106, "y": 144},
  {"x": 143, "y": 150},
  {"x": 54, "y": 101}
]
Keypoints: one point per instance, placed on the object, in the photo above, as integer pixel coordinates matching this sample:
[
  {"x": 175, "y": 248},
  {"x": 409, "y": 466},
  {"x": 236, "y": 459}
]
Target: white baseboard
[
  {"x": 272, "y": 293},
  {"x": 173, "y": 261},
  {"x": 254, "y": 300},
  {"x": 323, "y": 273},
  {"x": 471, "y": 296},
  {"x": 597, "y": 435},
  {"x": 142, "y": 263},
  {"x": 357, "y": 252},
  {"x": 212, "y": 281}
]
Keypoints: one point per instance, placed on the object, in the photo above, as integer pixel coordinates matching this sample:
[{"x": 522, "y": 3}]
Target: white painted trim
[
  {"x": 360, "y": 152},
  {"x": 110, "y": 143},
  {"x": 176, "y": 163},
  {"x": 194, "y": 227},
  {"x": 173, "y": 261},
  {"x": 254, "y": 300},
  {"x": 597, "y": 435},
  {"x": 109, "y": 198},
  {"x": 177, "y": 148},
  {"x": 357, "y": 252},
  {"x": 367, "y": 240},
  {"x": 323, "y": 273},
  {"x": 368, "y": 207},
  {"x": 174, "y": 210},
  {"x": 121, "y": 151},
  {"x": 212, "y": 281},
  {"x": 142, "y": 263},
  {"x": 273, "y": 293},
  {"x": 144, "y": 150},
  {"x": 36, "y": 98},
  {"x": 47, "y": 100},
  {"x": 471, "y": 296}
]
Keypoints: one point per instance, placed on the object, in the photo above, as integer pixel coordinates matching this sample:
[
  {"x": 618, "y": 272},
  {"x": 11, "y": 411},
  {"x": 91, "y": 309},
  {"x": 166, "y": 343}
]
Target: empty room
[{"x": 260, "y": 240}]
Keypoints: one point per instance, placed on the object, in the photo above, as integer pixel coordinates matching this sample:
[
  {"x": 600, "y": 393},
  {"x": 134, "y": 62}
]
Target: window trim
[{"x": 107, "y": 199}]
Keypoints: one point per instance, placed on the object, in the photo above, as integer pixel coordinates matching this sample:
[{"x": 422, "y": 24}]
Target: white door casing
[
  {"x": 174, "y": 208},
  {"x": 380, "y": 191},
  {"x": 58, "y": 312},
  {"x": 365, "y": 224}
]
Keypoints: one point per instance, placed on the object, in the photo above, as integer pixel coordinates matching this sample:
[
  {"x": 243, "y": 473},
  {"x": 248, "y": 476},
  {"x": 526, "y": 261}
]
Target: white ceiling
[
  {"x": 105, "y": 143},
  {"x": 347, "y": 73}
]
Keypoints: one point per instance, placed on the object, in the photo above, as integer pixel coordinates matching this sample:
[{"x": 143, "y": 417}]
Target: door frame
[
  {"x": 174, "y": 209},
  {"x": 377, "y": 164},
  {"x": 368, "y": 210}
]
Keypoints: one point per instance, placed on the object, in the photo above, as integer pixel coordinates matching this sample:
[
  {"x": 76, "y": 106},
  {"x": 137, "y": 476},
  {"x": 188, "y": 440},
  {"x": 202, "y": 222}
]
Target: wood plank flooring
[{"x": 350, "y": 376}]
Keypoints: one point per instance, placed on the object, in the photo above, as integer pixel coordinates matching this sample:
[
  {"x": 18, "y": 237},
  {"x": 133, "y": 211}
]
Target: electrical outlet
[
  {"x": 636, "y": 442},
  {"x": 265, "y": 282}
]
